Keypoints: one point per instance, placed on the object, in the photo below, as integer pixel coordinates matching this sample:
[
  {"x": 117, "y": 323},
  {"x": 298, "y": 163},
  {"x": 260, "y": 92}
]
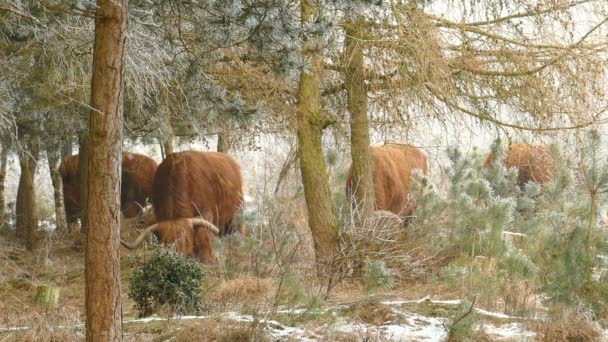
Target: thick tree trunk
[
  {"x": 52, "y": 156},
  {"x": 83, "y": 172},
  {"x": 364, "y": 200},
  {"x": 102, "y": 262},
  {"x": 322, "y": 217},
  {"x": 3, "y": 162},
  {"x": 27, "y": 220}
]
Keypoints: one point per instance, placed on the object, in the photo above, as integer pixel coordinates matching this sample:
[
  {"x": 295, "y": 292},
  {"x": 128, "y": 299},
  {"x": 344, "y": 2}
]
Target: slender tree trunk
[
  {"x": 322, "y": 217},
  {"x": 83, "y": 171},
  {"x": 292, "y": 157},
  {"x": 223, "y": 141},
  {"x": 167, "y": 145},
  {"x": 66, "y": 149},
  {"x": 27, "y": 220},
  {"x": 3, "y": 162},
  {"x": 52, "y": 156},
  {"x": 102, "y": 261},
  {"x": 356, "y": 91}
]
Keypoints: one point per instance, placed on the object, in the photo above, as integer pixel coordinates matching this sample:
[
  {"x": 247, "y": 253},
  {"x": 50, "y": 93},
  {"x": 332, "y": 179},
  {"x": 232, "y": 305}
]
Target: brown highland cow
[
  {"x": 393, "y": 168},
  {"x": 193, "y": 194},
  {"x": 533, "y": 162},
  {"x": 137, "y": 176}
]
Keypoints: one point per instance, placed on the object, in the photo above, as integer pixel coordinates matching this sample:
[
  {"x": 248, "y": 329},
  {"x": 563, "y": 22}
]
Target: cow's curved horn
[
  {"x": 140, "y": 238},
  {"x": 202, "y": 222}
]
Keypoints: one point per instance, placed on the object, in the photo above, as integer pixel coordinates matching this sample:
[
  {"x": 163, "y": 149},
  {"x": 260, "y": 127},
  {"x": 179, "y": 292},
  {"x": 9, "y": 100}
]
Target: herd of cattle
[{"x": 196, "y": 195}]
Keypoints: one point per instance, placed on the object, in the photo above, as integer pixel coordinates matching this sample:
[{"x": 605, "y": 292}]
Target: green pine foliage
[
  {"x": 517, "y": 243},
  {"x": 377, "y": 277},
  {"x": 164, "y": 277}
]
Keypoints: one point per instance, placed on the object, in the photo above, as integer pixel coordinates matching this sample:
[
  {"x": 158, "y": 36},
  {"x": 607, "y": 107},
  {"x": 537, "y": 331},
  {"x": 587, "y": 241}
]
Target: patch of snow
[
  {"x": 513, "y": 233},
  {"x": 495, "y": 314},
  {"x": 422, "y": 300},
  {"x": 155, "y": 319},
  {"x": 274, "y": 328},
  {"x": 415, "y": 328},
  {"x": 509, "y": 331}
]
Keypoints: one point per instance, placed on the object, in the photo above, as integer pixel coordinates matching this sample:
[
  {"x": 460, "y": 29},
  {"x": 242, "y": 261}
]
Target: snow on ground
[
  {"x": 406, "y": 326},
  {"x": 511, "y": 331}
]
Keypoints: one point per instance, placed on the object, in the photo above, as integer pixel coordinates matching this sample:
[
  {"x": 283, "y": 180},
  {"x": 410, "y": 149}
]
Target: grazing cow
[
  {"x": 137, "y": 177},
  {"x": 393, "y": 168},
  {"x": 189, "y": 185},
  {"x": 534, "y": 163}
]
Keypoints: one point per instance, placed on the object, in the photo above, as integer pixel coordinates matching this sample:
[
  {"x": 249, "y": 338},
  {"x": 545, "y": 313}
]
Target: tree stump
[{"x": 47, "y": 295}]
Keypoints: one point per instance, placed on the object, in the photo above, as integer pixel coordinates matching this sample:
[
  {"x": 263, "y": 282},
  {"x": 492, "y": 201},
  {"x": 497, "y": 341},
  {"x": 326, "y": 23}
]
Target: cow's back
[
  {"x": 192, "y": 183},
  {"x": 137, "y": 179},
  {"x": 394, "y": 165},
  {"x": 535, "y": 163}
]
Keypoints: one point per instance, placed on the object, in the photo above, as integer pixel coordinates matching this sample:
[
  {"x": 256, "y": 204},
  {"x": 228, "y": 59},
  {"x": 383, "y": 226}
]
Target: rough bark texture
[
  {"x": 322, "y": 217},
  {"x": 3, "y": 161},
  {"x": 102, "y": 262},
  {"x": 25, "y": 212},
  {"x": 83, "y": 167},
  {"x": 356, "y": 90},
  {"x": 52, "y": 155}
]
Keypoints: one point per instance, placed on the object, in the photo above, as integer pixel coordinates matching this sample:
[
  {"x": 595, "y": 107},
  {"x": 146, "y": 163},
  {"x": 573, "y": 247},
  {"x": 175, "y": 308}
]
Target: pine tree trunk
[
  {"x": 223, "y": 141},
  {"x": 356, "y": 90},
  {"x": 27, "y": 220},
  {"x": 83, "y": 167},
  {"x": 102, "y": 262},
  {"x": 52, "y": 156},
  {"x": 66, "y": 149},
  {"x": 3, "y": 164},
  {"x": 322, "y": 216},
  {"x": 167, "y": 145}
]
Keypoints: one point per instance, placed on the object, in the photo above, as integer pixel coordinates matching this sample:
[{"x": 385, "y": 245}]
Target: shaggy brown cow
[
  {"x": 137, "y": 177},
  {"x": 195, "y": 184},
  {"x": 393, "y": 168},
  {"x": 534, "y": 163}
]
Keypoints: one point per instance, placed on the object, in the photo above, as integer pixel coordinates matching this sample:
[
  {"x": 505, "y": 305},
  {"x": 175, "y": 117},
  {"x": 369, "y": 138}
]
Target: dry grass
[
  {"x": 571, "y": 329},
  {"x": 370, "y": 313},
  {"x": 225, "y": 331},
  {"x": 244, "y": 290}
]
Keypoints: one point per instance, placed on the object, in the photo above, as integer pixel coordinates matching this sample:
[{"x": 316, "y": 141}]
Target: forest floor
[{"x": 239, "y": 307}]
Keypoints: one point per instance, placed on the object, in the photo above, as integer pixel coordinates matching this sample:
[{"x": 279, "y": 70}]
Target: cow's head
[{"x": 192, "y": 237}]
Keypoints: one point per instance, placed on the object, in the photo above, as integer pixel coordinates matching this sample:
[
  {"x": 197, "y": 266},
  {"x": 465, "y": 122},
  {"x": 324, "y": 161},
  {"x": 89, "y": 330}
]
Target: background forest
[{"x": 296, "y": 92}]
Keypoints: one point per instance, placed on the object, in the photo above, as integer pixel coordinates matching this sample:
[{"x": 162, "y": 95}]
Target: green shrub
[{"x": 165, "y": 278}]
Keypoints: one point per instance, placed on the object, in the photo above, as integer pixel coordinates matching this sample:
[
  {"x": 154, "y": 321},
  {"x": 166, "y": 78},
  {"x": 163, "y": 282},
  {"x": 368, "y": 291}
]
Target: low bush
[{"x": 165, "y": 278}]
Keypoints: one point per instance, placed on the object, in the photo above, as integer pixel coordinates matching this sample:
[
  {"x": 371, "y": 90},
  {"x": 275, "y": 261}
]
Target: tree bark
[
  {"x": 167, "y": 144},
  {"x": 26, "y": 216},
  {"x": 52, "y": 156},
  {"x": 102, "y": 262},
  {"x": 322, "y": 215},
  {"x": 66, "y": 149},
  {"x": 223, "y": 141},
  {"x": 3, "y": 164},
  {"x": 364, "y": 201},
  {"x": 83, "y": 171}
]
